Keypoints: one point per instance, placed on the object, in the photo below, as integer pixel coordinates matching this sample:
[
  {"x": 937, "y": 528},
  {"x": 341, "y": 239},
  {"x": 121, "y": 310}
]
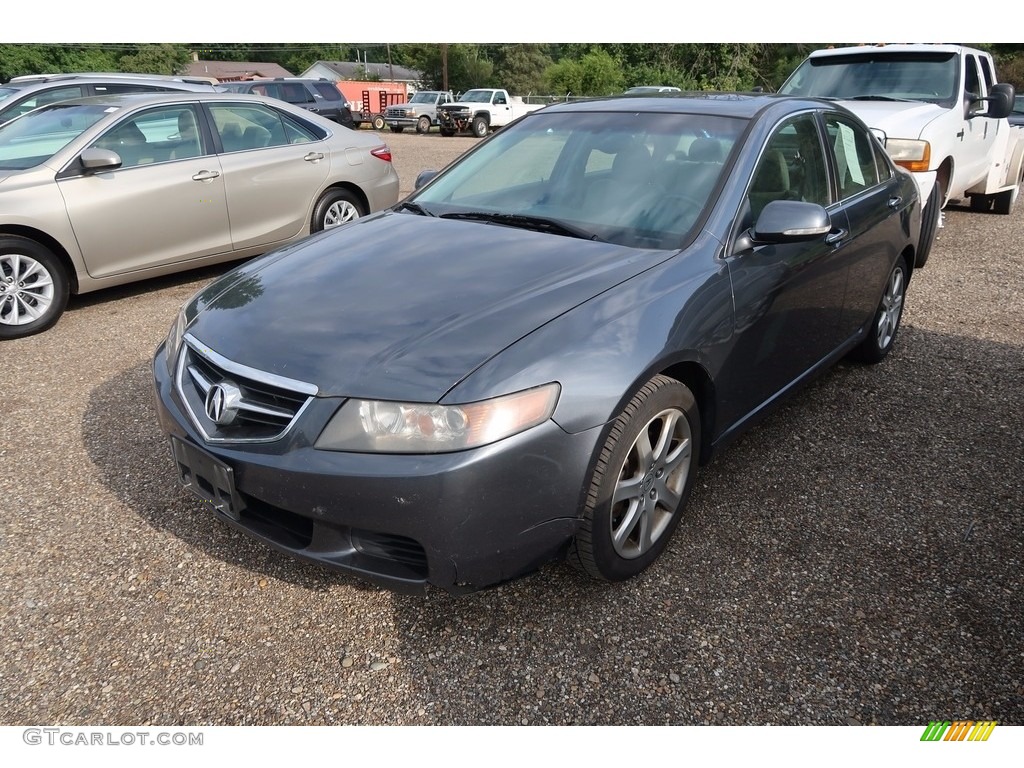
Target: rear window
[{"x": 328, "y": 91}]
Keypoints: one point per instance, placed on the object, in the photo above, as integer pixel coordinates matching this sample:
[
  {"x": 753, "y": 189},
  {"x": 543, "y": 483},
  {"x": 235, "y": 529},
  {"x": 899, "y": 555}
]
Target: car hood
[
  {"x": 401, "y": 306},
  {"x": 897, "y": 119}
]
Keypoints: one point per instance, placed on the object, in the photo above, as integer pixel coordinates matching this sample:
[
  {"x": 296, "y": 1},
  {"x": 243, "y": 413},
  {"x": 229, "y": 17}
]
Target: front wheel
[
  {"x": 377, "y": 121},
  {"x": 397, "y": 128},
  {"x": 423, "y": 124},
  {"x": 640, "y": 483},
  {"x": 34, "y": 288},
  {"x": 480, "y": 127},
  {"x": 886, "y": 322},
  {"x": 336, "y": 207},
  {"x": 929, "y": 226}
]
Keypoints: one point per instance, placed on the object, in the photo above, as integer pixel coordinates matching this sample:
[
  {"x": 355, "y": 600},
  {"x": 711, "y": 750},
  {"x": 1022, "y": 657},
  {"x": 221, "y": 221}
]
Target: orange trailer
[{"x": 369, "y": 99}]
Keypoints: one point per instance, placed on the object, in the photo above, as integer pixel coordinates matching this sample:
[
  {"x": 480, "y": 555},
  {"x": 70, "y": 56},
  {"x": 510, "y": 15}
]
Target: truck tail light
[{"x": 383, "y": 152}]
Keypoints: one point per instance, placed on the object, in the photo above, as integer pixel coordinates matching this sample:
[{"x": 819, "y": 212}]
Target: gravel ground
[{"x": 855, "y": 559}]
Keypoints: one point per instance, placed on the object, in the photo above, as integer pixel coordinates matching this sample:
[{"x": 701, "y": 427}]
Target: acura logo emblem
[{"x": 222, "y": 403}]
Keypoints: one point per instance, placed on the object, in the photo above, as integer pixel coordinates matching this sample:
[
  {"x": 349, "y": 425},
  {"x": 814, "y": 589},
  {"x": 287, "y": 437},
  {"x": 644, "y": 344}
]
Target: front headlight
[
  {"x": 912, "y": 154},
  {"x": 376, "y": 426},
  {"x": 174, "y": 337}
]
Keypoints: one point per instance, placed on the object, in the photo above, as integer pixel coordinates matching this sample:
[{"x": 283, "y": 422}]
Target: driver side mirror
[
  {"x": 95, "y": 159},
  {"x": 424, "y": 178}
]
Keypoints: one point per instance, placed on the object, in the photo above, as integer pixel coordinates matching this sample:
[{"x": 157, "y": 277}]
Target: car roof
[
  {"x": 127, "y": 100},
  {"x": 893, "y": 48},
  {"x": 27, "y": 86},
  {"x": 743, "y": 105}
]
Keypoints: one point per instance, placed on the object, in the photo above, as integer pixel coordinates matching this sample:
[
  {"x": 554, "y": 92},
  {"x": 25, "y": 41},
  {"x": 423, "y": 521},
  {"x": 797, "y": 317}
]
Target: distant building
[
  {"x": 226, "y": 71},
  {"x": 358, "y": 70}
]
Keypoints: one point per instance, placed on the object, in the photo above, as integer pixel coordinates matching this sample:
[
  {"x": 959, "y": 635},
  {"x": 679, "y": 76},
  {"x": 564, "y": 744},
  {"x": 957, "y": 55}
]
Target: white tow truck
[
  {"x": 940, "y": 113},
  {"x": 481, "y": 110}
]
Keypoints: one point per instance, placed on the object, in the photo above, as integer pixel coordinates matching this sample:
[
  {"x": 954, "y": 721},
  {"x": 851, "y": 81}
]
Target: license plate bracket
[{"x": 207, "y": 477}]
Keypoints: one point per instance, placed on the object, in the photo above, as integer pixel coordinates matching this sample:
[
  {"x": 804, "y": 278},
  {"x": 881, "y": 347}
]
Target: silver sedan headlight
[{"x": 377, "y": 426}]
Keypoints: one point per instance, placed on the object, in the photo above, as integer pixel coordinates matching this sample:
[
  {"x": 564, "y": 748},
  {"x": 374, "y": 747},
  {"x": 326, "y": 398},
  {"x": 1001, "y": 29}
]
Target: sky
[{"x": 791, "y": 21}]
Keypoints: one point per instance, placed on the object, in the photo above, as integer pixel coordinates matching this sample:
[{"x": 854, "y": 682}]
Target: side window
[
  {"x": 328, "y": 91},
  {"x": 126, "y": 88},
  {"x": 294, "y": 93},
  {"x": 854, "y": 152},
  {"x": 154, "y": 136},
  {"x": 46, "y": 97},
  {"x": 792, "y": 167},
  {"x": 245, "y": 127},
  {"x": 987, "y": 74},
  {"x": 971, "y": 82}
]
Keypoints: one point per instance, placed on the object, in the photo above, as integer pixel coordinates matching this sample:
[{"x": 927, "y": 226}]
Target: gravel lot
[{"x": 855, "y": 559}]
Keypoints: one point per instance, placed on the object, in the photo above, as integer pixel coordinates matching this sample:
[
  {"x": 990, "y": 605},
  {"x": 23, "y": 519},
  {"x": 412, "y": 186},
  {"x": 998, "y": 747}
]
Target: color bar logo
[{"x": 958, "y": 730}]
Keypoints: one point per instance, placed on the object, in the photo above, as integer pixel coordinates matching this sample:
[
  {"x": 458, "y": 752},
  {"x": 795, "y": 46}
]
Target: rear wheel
[
  {"x": 377, "y": 121},
  {"x": 423, "y": 124},
  {"x": 929, "y": 226},
  {"x": 34, "y": 288},
  {"x": 886, "y": 322},
  {"x": 640, "y": 483},
  {"x": 334, "y": 208}
]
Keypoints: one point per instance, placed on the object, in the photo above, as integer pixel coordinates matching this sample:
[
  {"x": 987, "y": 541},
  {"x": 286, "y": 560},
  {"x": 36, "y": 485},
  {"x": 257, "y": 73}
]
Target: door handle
[
  {"x": 895, "y": 201},
  {"x": 835, "y": 238},
  {"x": 206, "y": 176},
  {"x": 313, "y": 157}
]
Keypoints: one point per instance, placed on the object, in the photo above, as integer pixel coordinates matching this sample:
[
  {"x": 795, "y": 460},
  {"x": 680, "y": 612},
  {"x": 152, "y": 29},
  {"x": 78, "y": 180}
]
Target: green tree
[
  {"x": 158, "y": 59},
  {"x": 596, "y": 73}
]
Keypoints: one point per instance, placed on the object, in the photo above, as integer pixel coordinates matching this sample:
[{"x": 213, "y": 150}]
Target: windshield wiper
[
  {"x": 875, "y": 97},
  {"x": 415, "y": 208},
  {"x": 535, "y": 223}
]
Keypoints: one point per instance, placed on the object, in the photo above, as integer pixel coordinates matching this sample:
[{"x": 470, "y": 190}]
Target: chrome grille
[
  {"x": 230, "y": 402},
  {"x": 395, "y": 112}
]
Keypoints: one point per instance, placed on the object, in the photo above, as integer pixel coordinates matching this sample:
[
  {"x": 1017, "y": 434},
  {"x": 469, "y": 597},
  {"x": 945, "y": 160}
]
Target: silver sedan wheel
[
  {"x": 651, "y": 483},
  {"x": 340, "y": 212},
  {"x": 26, "y": 289},
  {"x": 892, "y": 306}
]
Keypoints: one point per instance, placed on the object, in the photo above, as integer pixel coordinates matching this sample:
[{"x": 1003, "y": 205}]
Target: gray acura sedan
[{"x": 603, "y": 295}]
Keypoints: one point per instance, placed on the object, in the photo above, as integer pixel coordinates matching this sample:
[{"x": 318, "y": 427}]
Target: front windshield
[
  {"x": 423, "y": 97},
  {"x": 635, "y": 179},
  {"x": 477, "y": 96},
  {"x": 37, "y": 136},
  {"x": 929, "y": 77}
]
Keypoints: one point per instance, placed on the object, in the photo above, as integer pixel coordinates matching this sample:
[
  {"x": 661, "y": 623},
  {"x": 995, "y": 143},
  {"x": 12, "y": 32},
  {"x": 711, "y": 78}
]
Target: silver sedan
[{"x": 95, "y": 192}]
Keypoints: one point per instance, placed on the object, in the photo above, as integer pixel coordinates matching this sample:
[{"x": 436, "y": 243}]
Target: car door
[
  {"x": 979, "y": 131},
  {"x": 869, "y": 196},
  {"x": 788, "y": 296},
  {"x": 274, "y": 168},
  {"x": 165, "y": 204}
]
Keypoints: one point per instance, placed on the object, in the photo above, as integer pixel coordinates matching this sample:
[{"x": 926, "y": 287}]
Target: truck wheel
[
  {"x": 397, "y": 128},
  {"x": 929, "y": 226},
  {"x": 480, "y": 126},
  {"x": 377, "y": 121},
  {"x": 423, "y": 124},
  {"x": 34, "y": 287},
  {"x": 1004, "y": 202}
]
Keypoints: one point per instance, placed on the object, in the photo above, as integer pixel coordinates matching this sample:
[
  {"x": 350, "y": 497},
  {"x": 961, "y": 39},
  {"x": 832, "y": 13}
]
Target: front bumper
[{"x": 460, "y": 521}]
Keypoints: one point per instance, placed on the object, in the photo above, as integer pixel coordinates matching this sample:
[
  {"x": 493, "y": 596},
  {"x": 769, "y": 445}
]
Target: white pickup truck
[
  {"x": 480, "y": 110},
  {"x": 939, "y": 112}
]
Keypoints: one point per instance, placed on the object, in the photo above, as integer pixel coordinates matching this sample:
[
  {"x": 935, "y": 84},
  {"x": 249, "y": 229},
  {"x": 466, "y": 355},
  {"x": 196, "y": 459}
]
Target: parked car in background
[
  {"x": 420, "y": 112},
  {"x": 600, "y": 296},
  {"x": 651, "y": 89},
  {"x": 319, "y": 96},
  {"x": 1017, "y": 115},
  {"x": 23, "y": 94},
  {"x": 111, "y": 189}
]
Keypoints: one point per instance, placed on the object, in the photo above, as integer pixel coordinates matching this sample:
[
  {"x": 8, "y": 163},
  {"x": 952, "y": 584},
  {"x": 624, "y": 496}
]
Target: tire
[
  {"x": 34, "y": 287},
  {"x": 481, "y": 126},
  {"x": 1004, "y": 202},
  {"x": 397, "y": 128},
  {"x": 334, "y": 208},
  {"x": 929, "y": 226},
  {"x": 886, "y": 322},
  {"x": 620, "y": 538},
  {"x": 423, "y": 124},
  {"x": 377, "y": 121}
]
